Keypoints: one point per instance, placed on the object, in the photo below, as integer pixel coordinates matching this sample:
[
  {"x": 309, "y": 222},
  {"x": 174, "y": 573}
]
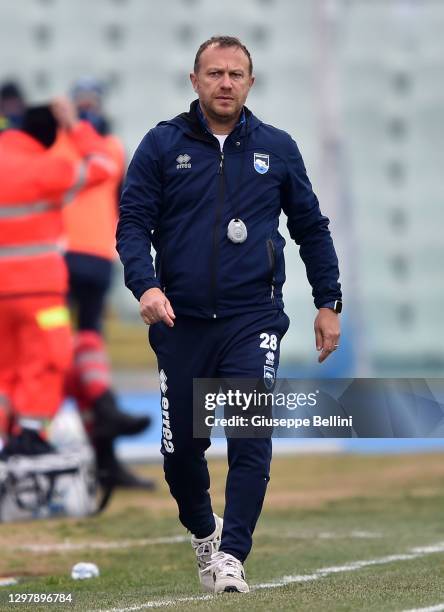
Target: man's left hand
[{"x": 327, "y": 332}]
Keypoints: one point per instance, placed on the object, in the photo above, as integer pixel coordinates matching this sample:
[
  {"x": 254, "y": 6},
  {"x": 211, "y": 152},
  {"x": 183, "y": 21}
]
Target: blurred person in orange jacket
[
  {"x": 90, "y": 226},
  {"x": 34, "y": 320}
]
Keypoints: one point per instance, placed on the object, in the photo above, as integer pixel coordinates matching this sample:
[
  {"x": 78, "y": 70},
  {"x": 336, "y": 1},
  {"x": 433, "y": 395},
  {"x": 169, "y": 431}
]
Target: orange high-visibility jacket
[
  {"x": 90, "y": 220},
  {"x": 34, "y": 185}
]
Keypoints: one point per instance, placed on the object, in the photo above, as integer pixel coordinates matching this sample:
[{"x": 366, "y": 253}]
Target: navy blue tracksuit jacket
[{"x": 180, "y": 194}]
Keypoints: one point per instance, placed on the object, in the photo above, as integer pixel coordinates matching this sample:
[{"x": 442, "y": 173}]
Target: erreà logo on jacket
[{"x": 183, "y": 161}]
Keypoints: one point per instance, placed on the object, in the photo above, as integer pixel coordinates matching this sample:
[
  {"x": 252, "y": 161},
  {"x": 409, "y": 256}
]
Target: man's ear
[{"x": 193, "y": 79}]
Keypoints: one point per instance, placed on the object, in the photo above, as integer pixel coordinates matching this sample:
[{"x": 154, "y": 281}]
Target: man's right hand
[
  {"x": 65, "y": 112},
  {"x": 155, "y": 306}
]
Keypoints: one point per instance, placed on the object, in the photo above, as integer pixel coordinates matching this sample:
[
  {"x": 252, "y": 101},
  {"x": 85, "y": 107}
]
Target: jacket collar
[
  {"x": 192, "y": 125},
  {"x": 204, "y": 122}
]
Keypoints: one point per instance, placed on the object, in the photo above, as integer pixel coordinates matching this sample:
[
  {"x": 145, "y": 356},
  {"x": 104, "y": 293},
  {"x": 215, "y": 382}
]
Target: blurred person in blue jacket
[
  {"x": 12, "y": 106},
  {"x": 206, "y": 189}
]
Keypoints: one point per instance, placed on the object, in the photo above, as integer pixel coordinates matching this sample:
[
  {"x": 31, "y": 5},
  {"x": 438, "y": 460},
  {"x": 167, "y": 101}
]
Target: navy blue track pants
[
  {"x": 89, "y": 282},
  {"x": 231, "y": 347}
]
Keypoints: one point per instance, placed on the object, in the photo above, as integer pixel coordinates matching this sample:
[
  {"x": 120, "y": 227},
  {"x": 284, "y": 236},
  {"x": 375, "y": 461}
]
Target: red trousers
[
  {"x": 35, "y": 355},
  {"x": 90, "y": 374}
]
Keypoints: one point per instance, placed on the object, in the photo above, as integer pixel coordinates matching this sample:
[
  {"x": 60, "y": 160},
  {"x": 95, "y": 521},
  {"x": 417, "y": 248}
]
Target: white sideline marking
[
  {"x": 414, "y": 553},
  {"x": 331, "y": 535},
  {"x": 161, "y": 603},
  {"x": 73, "y": 546},
  {"x": 437, "y": 608},
  {"x": 365, "y": 534},
  {"x": 428, "y": 549},
  {"x": 357, "y": 534},
  {"x": 67, "y": 546},
  {"x": 7, "y": 581}
]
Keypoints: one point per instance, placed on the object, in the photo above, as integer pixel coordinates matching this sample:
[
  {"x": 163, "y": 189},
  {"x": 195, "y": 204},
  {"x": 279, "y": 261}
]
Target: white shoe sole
[{"x": 227, "y": 585}]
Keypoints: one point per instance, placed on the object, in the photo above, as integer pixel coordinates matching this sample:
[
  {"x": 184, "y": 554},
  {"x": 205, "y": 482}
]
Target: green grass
[{"x": 314, "y": 506}]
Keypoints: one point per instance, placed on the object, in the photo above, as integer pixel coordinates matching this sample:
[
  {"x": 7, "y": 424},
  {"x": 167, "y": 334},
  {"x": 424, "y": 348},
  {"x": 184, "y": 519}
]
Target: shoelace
[{"x": 225, "y": 564}]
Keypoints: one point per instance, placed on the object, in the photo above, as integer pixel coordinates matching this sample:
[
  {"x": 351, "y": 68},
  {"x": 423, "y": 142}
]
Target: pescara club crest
[
  {"x": 269, "y": 377},
  {"x": 261, "y": 162}
]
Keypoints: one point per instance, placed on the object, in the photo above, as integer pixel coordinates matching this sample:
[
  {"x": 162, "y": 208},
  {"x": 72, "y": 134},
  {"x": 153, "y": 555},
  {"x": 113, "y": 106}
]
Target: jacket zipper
[
  {"x": 272, "y": 259},
  {"x": 220, "y": 201}
]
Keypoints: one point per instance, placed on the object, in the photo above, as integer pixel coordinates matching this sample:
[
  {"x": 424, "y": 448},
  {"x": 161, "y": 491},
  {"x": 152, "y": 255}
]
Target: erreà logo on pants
[
  {"x": 163, "y": 379},
  {"x": 167, "y": 434}
]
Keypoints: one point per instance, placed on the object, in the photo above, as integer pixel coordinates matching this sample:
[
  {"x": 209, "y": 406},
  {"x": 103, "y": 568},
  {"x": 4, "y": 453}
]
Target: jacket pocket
[{"x": 271, "y": 250}]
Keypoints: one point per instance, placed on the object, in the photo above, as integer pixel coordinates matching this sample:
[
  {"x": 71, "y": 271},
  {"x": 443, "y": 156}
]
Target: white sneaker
[
  {"x": 228, "y": 574},
  {"x": 204, "y": 548}
]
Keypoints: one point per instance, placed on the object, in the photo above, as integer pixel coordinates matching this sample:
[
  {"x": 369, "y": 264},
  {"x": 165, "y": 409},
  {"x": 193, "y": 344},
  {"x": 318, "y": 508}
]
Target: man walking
[{"x": 206, "y": 190}]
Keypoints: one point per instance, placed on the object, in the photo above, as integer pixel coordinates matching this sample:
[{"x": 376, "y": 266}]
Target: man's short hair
[{"x": 222, "y": 41}]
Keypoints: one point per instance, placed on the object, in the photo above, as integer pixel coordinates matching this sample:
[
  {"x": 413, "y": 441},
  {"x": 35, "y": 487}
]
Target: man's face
[
  {"x": 88, "y": 101},
  {"x": 222, "y": 82}
]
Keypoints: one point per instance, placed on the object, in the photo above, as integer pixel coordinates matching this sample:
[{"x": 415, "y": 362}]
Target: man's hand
[
  {"x": 155, "y": 306},
  {"x": 65, "y": 112},
  {"x": 327, "y": 332}
]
